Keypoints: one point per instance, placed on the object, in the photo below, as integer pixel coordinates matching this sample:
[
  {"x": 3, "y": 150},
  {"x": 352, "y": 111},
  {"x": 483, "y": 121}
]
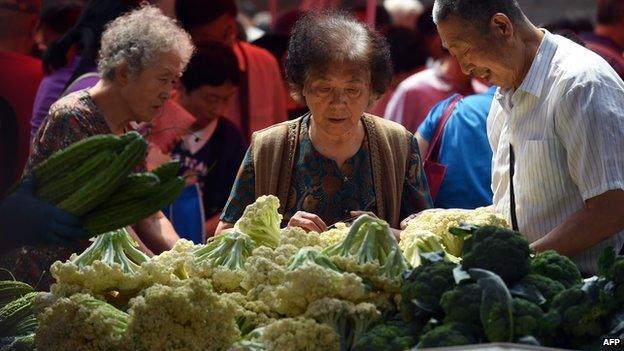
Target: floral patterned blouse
[
  {"x": 69, "y": 120},
  {"x": 319, "y": 186}
]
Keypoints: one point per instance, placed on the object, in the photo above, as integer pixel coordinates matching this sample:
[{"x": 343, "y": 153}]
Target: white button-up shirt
[{"x": 566, "y": 125}]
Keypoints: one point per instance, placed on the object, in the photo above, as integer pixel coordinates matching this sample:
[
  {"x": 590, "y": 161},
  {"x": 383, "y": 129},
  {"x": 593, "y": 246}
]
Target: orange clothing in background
[{"x": 267, "y": 100}]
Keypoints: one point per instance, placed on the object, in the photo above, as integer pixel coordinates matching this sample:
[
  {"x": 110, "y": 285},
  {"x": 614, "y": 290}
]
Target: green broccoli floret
[
  {"x": 426, "y": 284},
  {"x": 575, "y": 317},
  {"x": 371, "y": 240},
  {"x": 527, "y": 317},
  {"x": 261, "y": 221},
  {"x": 618, "y": 279},
  {"x": 462, "y": 304},
  {"x": 229, "y": 249},
  {"x": 445, "y": 335},
  {"x": 549, "y": 288},
  {"x": 556, "y": 267},
  {"x": 499, "y": 250},
  {"x": 384, "y": 337}
]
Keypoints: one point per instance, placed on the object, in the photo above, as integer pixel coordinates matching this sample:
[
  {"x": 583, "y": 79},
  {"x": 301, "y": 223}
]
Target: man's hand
[
  {"x": 28, "y": 220},
  {"x": 307, "y": 221}
]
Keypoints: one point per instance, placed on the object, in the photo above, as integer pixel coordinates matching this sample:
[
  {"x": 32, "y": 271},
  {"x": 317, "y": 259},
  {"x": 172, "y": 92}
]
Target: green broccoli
[
  {"x": 384, "y": 337},
  {"x": 261, "y": 221},
  {"x": 425, "y": 284},
  {"x": 445, "y": 335},
  {"x": 575, "y": 317},
  {"x": 229, "y": 249},
  {"x": 462, "y": 304},
  {"x": 527, "y": 317},
  {"x": 499, "y": 250},
  {"x": 556, "y": 267},
  {"x": 547, "y": 287}
]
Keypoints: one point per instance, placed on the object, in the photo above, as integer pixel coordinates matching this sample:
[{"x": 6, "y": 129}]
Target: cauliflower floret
[
  {"x": 299, "y": 334},
  {"x": 334, "y": 235},
  {"x": 307, "y": 284},
  {"x": 249, "y": 314},
  {"x": 189, "y": 316},
  {"x": 170, "y": 267},
  {"x": 299, "y": 237},
  {"x": 439, "y": 221},
  {"x": 81, "y": 322},
  {"x": 261, "y": 221}
]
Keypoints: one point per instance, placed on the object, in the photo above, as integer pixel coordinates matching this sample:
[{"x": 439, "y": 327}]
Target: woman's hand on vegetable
[{"x": 307, "y": 221}]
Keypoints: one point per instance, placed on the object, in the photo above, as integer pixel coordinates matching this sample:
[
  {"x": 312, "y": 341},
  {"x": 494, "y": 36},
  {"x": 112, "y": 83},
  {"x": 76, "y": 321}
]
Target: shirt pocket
[{"x": 542, "y": 171}]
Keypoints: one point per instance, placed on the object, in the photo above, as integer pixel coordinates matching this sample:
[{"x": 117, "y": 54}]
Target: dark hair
[
  {"x": 576, "y": 25},
  {"x": 195, "y": 13},
  {"x": 424, "y": 24},
  {"x": 323, "y": 38},
  {"x": 275, "y": 43},
  {"x": 87, "y": 33},
  {"x": 477, "y": 12},
  {"x": 213, "y": 64},
  {"x": 60, "y": 16},
  {"x": 407, "y": 49},
  {"x": 610, "y": 11}
]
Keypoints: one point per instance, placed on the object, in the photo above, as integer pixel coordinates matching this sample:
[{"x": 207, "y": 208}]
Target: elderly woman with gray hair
[
  {"x": 335, "y": 162},
  {"x": 142, "y": 54}
]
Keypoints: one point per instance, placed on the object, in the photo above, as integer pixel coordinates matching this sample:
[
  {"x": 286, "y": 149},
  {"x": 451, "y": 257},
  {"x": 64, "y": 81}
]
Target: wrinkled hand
[
  {"x": 307, "y": 221},
  {"x": 28, "y": 220}
]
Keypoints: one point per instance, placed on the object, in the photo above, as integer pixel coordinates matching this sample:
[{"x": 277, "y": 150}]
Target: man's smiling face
[{"x": 480, "y": 53}]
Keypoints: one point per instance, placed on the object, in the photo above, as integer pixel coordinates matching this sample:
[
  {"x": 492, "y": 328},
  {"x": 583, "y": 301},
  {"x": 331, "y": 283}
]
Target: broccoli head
[
  {"x": 575, "y": 317},
  {"x": 556, "y": 267},
  {"x": 527, "y": 317},
  {"x": 384, "y": 337},
  {"x": 261, "y": 221},
  {"x": 462, "y": 304},
  {"x": 445, "y": 335},
  {"x": 425, "y": 284},
  {"x": 499, "y": 250}
]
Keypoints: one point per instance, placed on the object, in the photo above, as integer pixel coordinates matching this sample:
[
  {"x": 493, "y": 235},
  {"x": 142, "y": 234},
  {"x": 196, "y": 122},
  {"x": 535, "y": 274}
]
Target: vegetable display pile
[{"x": 261, "y": 287}]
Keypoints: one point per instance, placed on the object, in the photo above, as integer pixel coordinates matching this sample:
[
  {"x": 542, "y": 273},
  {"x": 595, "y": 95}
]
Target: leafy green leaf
[
  {"x": 494, "y": 292},
  {"x": 460, "y": 274},
  {"x": 528, "y": 292}
]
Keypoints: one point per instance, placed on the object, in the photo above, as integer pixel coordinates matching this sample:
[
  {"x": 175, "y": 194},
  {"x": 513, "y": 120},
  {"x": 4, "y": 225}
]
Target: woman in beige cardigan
[{"x": 336, "y": 161}]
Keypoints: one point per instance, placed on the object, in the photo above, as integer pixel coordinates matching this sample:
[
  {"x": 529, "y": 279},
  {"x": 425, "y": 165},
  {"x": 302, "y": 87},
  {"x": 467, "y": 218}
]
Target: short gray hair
[
  {"x": 476, "y": 12},
  {"x": 137, "y": 39}
]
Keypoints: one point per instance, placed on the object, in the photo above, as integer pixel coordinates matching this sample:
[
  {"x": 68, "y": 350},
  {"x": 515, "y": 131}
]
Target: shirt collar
[{"x": 538, "y": 73}]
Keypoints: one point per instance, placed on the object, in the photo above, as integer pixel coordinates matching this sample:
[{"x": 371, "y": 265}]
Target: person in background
[
  {"x": 212, "y": 154},
  {"x": 464, "y": 149},
  {"x": 607, "y": 39},
  {"x": 70, "y": 62},
  {"x": 555, "y": 128},
  {"x": 20, "y": 75},
  {"x": 382, "y": 17},
  {"x": 416, "y": 95},
  {"x": 57, "y": 17},
  {"x": 409, "y": 56},
  {"x": 335, "y": 162},
  {"x": 404, "y": 13},
  {"x": 142, "y": 54},
  {"x": 260, "y": 100}
]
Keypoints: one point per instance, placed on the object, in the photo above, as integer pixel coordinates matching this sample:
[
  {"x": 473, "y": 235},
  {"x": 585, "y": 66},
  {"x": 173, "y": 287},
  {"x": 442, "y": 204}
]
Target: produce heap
[{"x": 456, "y": 278}]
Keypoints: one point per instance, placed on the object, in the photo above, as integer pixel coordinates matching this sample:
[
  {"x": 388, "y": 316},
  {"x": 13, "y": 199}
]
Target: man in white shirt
[{"x": 557, "y": 123}]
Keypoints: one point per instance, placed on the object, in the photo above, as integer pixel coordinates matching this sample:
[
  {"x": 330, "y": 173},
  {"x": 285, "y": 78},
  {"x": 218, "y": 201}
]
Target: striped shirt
[{"x": 566, "y": 124}]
